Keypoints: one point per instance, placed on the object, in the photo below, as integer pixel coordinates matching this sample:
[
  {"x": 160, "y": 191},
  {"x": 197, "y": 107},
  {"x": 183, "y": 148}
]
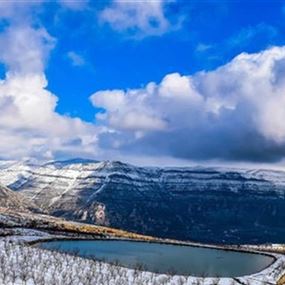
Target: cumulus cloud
[
  {"x": 138, "y": 18},
  {"x": 29, "y": 123},
  {"x": 235, "y": 112},
  {"x": 129, "y": 112},
  {"x": 24, "y": 49}
]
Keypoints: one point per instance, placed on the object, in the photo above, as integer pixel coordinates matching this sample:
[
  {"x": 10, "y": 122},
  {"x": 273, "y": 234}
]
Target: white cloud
[
  {"x": 128, "y": 110},
  {"x": 75, "y": 58},
  {"x": 234, "y": 112},
  {"x": 29, "y": 123},
  {"x": 138, "y": 18},
  {"x": 28, "y": 118},
  {"x": 24, "y": 49},
  {"x": 180, "y": 87},
  {"x": 111, "y": 99}
]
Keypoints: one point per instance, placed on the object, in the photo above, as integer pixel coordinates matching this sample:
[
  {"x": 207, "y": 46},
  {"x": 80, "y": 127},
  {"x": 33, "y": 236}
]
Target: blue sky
[
  {"x": 143, "y": 81},
  {"x": 211, "y": 34}
]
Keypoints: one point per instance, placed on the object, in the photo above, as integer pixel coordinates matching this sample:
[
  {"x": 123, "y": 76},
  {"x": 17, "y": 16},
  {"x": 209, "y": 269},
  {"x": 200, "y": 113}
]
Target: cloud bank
[
  {"x": 29, "y": 123},
  {"x": 235, "y": 112},
  {"x": 30, "y": 126}
]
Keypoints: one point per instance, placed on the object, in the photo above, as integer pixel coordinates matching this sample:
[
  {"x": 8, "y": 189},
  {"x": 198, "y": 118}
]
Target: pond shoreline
[
  {"x": 272, "y": 272},
  {"x": 165, "y": 258},
  {"x": 226, "y": 248},
  {"x": 235, "y": 248}
]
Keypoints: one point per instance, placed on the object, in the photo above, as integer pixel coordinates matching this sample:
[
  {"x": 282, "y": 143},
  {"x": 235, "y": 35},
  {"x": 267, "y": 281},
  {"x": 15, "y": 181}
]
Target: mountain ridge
[{"x": 209, "y": 204}]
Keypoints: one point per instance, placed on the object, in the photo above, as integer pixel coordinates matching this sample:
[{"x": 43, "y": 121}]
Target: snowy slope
[
  {"x": 204, "y": 204},
  {"x": 10, "y": 199}
]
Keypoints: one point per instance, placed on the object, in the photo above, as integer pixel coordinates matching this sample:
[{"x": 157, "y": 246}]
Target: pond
[{"x": 166, "y": 258}]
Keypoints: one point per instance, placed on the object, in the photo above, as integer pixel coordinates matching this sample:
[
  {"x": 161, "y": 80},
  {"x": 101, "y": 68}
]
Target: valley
[{"x": 233, "y": 210}]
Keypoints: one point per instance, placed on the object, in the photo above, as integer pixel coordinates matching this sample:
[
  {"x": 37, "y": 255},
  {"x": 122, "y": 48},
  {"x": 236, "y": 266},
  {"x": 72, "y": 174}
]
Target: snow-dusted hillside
[
  {"x": 12, "y": 200},
  {"x": 204, "y": 204}
]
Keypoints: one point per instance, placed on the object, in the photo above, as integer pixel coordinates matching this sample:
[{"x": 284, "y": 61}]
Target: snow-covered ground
[{"x": 23, "y": 264}]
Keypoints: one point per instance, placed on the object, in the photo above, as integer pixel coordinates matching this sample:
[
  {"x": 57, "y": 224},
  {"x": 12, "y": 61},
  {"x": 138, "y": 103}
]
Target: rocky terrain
[
  {"x": 212, "y": 205},
  {"x": 10, "y": 199}
]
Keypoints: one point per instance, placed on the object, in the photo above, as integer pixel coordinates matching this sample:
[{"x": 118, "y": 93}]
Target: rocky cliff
[{"x": 201, "y": 204}]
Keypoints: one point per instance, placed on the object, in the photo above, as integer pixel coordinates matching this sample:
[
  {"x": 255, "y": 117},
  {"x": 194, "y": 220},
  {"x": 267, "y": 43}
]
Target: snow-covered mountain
[
  {"x": 16, "y": 201},
  {"x": 194, "y": 203}
]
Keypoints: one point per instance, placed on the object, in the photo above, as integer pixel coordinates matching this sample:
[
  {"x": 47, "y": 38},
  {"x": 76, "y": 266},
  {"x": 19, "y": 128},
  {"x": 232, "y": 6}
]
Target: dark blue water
[{"x": 163, "y": 258}]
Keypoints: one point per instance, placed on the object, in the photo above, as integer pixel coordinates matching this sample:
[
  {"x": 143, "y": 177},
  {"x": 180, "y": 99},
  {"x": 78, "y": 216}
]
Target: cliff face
[{"x": 202, "y": 204}]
